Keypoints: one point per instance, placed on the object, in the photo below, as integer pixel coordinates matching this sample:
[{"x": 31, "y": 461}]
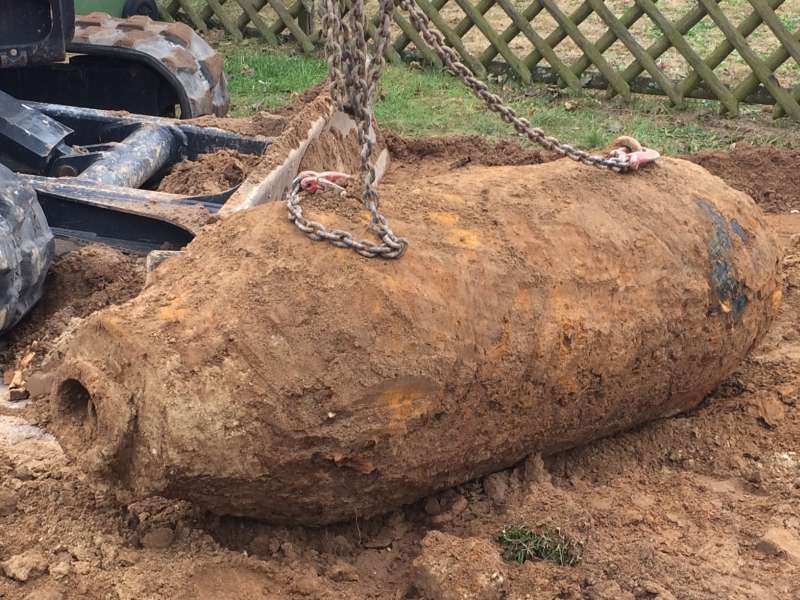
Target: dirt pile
[
  {"x": 461, "y": 151},
  {"x": 209, "y": 174},
  {"x": 79, "y": 283},
  {"x": 703, "y": 506},
  {"x": 483, "y": 339},
  {"x": 769, "y": 175}
]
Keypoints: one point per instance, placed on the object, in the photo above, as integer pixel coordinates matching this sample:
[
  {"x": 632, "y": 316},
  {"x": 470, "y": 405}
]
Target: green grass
[
  {"x": 261, "y": 78},
  {"x": 521, "y": 544},
  {"x": 426, "y": 102}
]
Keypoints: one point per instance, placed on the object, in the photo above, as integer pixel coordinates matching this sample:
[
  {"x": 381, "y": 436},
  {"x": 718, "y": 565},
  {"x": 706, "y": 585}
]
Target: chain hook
[{"x": 629, "y": 150}]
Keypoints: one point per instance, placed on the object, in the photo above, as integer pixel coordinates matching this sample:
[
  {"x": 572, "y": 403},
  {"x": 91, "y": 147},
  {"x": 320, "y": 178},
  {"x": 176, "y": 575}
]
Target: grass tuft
[{"x": 520, "y": 543}]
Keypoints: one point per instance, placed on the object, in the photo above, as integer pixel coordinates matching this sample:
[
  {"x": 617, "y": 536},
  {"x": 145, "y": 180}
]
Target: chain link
[{"x": 355, "y": 75}]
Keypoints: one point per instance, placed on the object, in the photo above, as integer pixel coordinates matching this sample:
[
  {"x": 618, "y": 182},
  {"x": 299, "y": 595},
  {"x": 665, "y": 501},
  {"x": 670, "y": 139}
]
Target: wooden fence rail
[{"x": 518, "y": 36}]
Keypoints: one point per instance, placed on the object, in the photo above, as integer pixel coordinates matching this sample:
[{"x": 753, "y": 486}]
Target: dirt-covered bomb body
[{"x": 539, "y": 307}]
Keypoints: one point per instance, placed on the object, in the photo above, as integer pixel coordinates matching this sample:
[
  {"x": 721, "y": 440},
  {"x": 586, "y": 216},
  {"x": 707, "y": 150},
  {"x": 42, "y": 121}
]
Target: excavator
[{"x": 93, "y": 109}]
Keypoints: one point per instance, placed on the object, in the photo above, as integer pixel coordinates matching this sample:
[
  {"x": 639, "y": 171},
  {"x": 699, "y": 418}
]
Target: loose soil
[
  {"x": 778, "y": 181},
  {"x": 209, "y": 174},
  {"x": 705, "y": 505}
]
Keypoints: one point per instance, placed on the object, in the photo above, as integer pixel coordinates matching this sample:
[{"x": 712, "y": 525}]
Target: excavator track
[
  {"x": 190, "y": 65},
  {"x": 136, "y": 64}
]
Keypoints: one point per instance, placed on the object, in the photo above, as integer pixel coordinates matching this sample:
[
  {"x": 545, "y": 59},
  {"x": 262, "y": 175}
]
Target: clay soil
[{"x": 704, "y": 505}]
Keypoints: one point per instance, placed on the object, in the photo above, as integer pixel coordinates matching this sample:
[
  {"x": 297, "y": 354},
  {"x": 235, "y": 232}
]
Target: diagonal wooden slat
[
  {"x": 588, "y": 48},
  {"x": 778, "y": 110},
  {"x": 167, "y": 11},
  {"x": 207, "y": 12},
  {"x": 761, "y": 70},
  {"x": 638, "y": 52},
  {"x": 258, "y": 21},
  {"x": 513, "y": 61},
  {"x": 767, "y": 12},
  {"x": 411, "y": 34},
  {"x": 682, "y": 46},
  {"x": 559, "y": 34},
  {"x": 193, "y": 15},
  {"x": 721, "y": 52},
  {"x": 467, "y": 23},
  {"x": 244, "y": 19},
  {"x": 452, "y": 39},
  {"x": 662, "y": 44},
  {"x": 404, "y": 39},
  {"x": 549, "y": 54},
  {"x": 512, "y": 31},
  {"x": 227, "y": 24},
  {"x": 774, "y": 61},
  {"x": 628, "y": 19},
  {"x": 292, "y": 26}
]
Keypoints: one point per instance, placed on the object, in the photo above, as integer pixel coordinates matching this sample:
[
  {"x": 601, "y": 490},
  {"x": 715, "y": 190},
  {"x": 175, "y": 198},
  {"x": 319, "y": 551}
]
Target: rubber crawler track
[
  {"x": 186, "y": 60},
  {"x": 26, "y": 249}
]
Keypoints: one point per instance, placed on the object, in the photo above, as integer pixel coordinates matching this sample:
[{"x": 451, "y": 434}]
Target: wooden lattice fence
[{"x": 509, "y": 35}]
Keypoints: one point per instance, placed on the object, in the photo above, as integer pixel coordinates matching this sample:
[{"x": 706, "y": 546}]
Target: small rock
[
  {"x": 82, "y": 567},
  {"x": 17, "y": 394},
  {"x": 607, "y": 590},
  {"x": 23, "y": 472},
  {"x": 46, "y": 593},
  {"x": 288, "y": 550},
  {"x": 433, "y": 507},
  {"x": 382, "y": 540},
  {"x": 263, "y": 545},
  {"x": 753, "y": 475},
  {"x": 768, "y": 408},
  {"x": 109, "y": 554},
  {"x": 61, "y": 568},
  {"x": 459, "y": 505},
  {"x": 342, "y": 571},
  {"x": 17, "y": 380},
  {"x": 657, "y": 590},
  {"x": 307, "y": 584},
  {"x": 496, "y": 487},
  {"x": 442, "y": 519},
  {"x": 25, "y": 566},
  {"x": 535, "y": 471},
  {"x": 8, "y": 502},
  {"x": 127, "y": 557},
  {"x": 779, "y": 541},
  {"x": 39, "y": 384},
  {"x": 158, "y": 539},
  {"x": 27, "y": 360},
  {"x": 337, "y": 545},
  {"x": 81, "y": 552}
]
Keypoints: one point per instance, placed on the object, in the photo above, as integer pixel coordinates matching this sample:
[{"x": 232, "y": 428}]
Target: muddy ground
[{"x": 705, "y": 505}]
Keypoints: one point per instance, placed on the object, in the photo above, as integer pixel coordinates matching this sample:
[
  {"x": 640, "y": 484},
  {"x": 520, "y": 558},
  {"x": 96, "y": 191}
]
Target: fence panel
[{"x": 731, "y": 51}]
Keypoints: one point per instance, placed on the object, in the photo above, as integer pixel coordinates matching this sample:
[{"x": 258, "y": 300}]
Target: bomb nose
[{"x": 77, "y": 408}]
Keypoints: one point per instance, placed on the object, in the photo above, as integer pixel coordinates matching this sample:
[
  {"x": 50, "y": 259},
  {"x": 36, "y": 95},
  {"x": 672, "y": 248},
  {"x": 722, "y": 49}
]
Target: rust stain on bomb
[{"x": 591, "y": 306}]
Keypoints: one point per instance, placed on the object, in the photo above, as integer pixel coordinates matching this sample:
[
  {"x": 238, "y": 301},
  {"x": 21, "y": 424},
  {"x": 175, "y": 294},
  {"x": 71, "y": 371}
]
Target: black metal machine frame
[{"x": 92, "y": 169}]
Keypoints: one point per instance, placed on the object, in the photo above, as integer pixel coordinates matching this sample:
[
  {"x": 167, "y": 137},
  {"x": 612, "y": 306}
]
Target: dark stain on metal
[
  {"x": 731, "y": 293},
  {"x": 739, "y": 230}
]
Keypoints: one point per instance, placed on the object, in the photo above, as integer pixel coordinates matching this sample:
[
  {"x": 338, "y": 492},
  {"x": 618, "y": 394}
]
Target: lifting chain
[{"x": 355, "y": 74}]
